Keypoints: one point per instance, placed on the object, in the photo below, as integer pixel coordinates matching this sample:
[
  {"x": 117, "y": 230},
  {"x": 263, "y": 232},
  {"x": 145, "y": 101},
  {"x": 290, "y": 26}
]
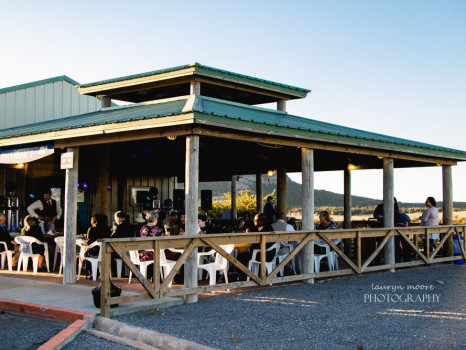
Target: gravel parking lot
[
  {"x": 19, "y": 331},
  {"x": 408, "y": 309}
]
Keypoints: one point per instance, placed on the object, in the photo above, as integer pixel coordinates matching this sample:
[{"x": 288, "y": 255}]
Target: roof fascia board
[
  {"x": 342, "y": 141},
  {"x": 134, "y": 82},
  {"x": 106, "y": 129},
  {"x": 251, "y": 82}
]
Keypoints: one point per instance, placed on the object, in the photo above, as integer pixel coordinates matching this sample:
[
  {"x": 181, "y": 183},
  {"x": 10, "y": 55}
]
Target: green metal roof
[
  {"x": 198, "y": 67},
  {"x": 230, "y": 113},
  {"x": 39, "y": 82},
  {"x": 108, "y": 116}
]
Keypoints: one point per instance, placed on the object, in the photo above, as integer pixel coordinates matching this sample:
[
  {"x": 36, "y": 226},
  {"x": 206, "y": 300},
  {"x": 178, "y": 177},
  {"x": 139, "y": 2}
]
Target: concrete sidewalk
[{"x": 70, "y": 296}]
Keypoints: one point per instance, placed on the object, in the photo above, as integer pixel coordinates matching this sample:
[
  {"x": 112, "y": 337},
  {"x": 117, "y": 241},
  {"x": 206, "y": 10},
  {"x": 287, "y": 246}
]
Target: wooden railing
[{"x": 190, "y": 242}]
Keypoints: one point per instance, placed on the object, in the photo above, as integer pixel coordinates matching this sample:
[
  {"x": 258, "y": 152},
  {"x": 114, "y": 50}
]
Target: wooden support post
[
  {"x": 105, "y": 278},
  {"x": 195, "y": 88},
  {"x": 281, "y": 190},
  {"x": 347, "y": 198},
  {"x": 447, "y": 206},
  {"x": 71, "y": 211},
  {"x": 347, "y": 208},
  {"x": 281, "y": 105},
  {"x": 389, "y": 209},
  {"x": 105, "y": 102},
  {"x": 102, "y": 180},
  {"x": 307, "y": 168},
  {"x": 234, "y": 209},
  {"x": 259, "y": 193},
  {"x": 192, "y": 199}
]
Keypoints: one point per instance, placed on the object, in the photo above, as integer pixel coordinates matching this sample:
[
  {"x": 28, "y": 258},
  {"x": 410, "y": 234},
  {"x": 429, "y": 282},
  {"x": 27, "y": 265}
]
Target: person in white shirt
[
  {"x": 46, "y": 210},
  {"x": 430, "y": 218}
]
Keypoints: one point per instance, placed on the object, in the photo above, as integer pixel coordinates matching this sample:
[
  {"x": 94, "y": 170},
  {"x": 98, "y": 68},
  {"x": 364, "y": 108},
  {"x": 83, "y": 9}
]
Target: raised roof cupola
[{"x": 180, "y": 80}]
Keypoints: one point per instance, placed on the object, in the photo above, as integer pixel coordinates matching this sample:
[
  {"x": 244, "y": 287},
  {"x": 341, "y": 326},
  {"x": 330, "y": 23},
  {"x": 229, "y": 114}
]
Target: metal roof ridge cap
[
  {"x": 262, "y": 109},
  {"x": 193, "y": 104},
  {"x": 38, "y": 83}
]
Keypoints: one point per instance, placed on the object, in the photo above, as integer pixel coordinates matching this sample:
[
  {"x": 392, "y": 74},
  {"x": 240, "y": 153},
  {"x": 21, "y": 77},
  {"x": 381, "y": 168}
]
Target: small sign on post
[{"x": 66, "y": 160}]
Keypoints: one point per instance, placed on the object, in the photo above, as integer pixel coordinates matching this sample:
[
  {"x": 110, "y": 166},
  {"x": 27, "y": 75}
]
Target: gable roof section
[
  {"x": 39, "y": 82},
  {"x": 227, "y": 114}
]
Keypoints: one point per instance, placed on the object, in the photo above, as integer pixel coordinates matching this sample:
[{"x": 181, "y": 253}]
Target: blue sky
[{"x": 393, "y": 67}]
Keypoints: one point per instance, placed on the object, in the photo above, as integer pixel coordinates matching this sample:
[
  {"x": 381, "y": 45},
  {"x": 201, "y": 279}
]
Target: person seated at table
[
  {"x": 239, "y": 226},
  {"x": 204, "y": 227},
  {"x": 402, "y": 248},
  {"x": 182, "y": 223},
  {"x": 150, "y": 230},
  {"x": 248, "y": 222},
  {"x": 325, "y": 222},
  {"x": 123, "y": 228},
  {"x": 99, "y": 229},
  {"x": 172, "y": 227},
  {"x": 260, "y": 224},
  {"x": 31, "y": 228},
  {"x": 10, "y": 242},
  {"x": 378, "y": 212}
]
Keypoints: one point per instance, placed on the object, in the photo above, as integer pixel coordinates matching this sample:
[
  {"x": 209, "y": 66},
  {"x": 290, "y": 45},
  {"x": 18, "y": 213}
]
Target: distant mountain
[{"x": 322, "y": 198}]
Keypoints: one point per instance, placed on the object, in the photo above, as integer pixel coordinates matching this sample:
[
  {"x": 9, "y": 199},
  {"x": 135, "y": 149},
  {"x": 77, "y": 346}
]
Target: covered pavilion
[{"x": 189, "y": 124}]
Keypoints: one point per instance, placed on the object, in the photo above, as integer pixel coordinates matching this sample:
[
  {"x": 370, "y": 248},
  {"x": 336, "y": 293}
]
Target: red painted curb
[
  {"x": 44, "y": 311},
  {"x": 63, "y": 336},
  {"x": 78, "y": 320}
]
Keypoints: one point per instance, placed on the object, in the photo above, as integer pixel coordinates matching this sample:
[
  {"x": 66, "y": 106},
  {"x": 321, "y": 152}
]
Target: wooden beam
[
  {"x": 307, "y": 168},
  {"x": 105, "y": 279},
  {"x": 447, "y": 205},
  {"x": 389, "y": 209},
  {"x": 234, "y": 208},
  {"x": 315, "y": 142},
  {"x": 192, "y": 199},
  {"x": 281, "y": 190},
  {"x": 259, "y": 193},
  {"x": 71, "y": 210}
]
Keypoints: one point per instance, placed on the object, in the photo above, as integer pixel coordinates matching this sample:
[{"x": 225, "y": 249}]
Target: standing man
[
  {"x": 10, "y": 242},
  {"x": 46, "y": 210},
  {"x": 270, "y": 210}
]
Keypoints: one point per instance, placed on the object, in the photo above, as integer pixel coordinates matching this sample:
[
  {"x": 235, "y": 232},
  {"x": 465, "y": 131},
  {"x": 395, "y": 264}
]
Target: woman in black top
[
  {"x": 32, "y": 229},
  {"x": 98, "y": 230}
]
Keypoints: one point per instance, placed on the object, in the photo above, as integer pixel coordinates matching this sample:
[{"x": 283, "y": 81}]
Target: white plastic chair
[
  {"x": 202, "y": 259},
  {"x": 26, "y": 252},
  {"x": 282, "y": 257},
  {"x": 93, "y": 261},
  {"x": 269, "y": 265},
  {"x": 220, "y": 264},
  {"x": 327, "y": 254},
  {"x": 165, "y": 265},
  {"x": 134, "y": 256},
  {"x": 8, "y": 254},
  {"x": 59, "y": 241}
]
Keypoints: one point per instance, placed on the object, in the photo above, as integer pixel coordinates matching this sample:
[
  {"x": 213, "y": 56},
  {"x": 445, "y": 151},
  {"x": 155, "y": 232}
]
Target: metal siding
[
  {"x": 3, "y": 111},
  {"x": 66, "y": 96},
  {"x": 40, "y": 103},
  {"x": 57, "y": 100},
  {"x": 48, "y": 101},
  {"x": 30, "y": 105},
  {"x": 10, "y": 109},
  {"x": 20, "y": 107}
]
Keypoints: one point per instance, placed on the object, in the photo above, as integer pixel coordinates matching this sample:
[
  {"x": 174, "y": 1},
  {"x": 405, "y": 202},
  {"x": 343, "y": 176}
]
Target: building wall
[{"x": 43, "y": 102}]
